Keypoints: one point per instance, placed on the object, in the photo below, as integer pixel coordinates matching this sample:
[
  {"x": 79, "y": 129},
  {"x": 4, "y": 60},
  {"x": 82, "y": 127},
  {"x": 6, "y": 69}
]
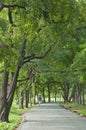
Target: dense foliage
[{"x": 55, "y": 25}]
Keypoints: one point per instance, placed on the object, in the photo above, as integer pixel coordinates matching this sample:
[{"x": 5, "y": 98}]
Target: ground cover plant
[
  {"x": 15, "y": 118},
  {"x": 75, "y": 107}
]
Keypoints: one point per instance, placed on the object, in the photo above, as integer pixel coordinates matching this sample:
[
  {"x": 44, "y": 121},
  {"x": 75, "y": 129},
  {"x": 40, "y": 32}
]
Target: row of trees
[{"x": 52, "y": 34}]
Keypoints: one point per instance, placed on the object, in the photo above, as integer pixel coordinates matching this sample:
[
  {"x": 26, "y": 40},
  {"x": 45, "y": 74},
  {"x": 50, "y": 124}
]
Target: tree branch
[
  {"x": 10, "y": 16},
  {"x": 43, "y": 56},
  {"x": 21, "y": 80},
  {"x": 28, "y": 77},
  {"x": 9, "y": 7},
  {"x": 29, "y": 58},
  {"x": 2, "y": 6},
  {"x": 60, "y": 71},
  {"x": 83, "y": 27},
  {"x": 22, "y": 53}
]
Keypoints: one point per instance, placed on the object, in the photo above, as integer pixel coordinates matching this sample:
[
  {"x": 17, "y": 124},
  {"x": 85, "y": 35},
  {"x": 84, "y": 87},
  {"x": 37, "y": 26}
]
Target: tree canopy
[{"x": 47, "y": 36}]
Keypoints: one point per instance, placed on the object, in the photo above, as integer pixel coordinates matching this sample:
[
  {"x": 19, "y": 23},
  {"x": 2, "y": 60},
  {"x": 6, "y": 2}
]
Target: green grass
[
  {"x": 75, "y": 107},
  {"x": 14, "y": 118}
]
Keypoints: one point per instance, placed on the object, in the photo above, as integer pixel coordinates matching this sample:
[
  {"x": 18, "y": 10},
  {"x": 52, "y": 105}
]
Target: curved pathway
[{"x": 51, "y": 116}]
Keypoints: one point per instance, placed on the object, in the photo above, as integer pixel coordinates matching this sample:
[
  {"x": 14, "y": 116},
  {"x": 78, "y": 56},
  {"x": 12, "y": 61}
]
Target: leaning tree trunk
[
  {"x": 72, "y": 96},
  {"x": 12, "y": 86},
  {"x": 11, "y": 92},
  {"x": 3, "y": 100}
]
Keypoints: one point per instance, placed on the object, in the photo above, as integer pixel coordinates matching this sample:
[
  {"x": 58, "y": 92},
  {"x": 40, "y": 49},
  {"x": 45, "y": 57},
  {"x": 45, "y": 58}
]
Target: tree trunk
[
  {"x": 83, "y": 94},
  {"x": 79, "y": 94},
  {"x": 43, "y": 92},
  {"x": 55, "y": 96},
  {"x": 26, "y": 98},
  {"x": 11, "y": 91},
  {"x": 72, "y": 96},
  {"x": 3, "y": 98},
  {"x": 33, "y": 92},
  {"x": 21, "y": 100},
  {"x": 12, "y": 86},
  {"x": 48, "y": 93},
  {"x": 76, "y": 93},
  {"x": 65, "y": 92},
  {"x": 30, "y": 96}
]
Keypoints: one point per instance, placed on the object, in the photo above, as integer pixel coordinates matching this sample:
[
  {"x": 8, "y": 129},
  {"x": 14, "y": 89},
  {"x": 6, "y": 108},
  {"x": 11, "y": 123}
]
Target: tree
[
  {"x": 49, "y": 22},
  {"x": 21, "y": 61}
]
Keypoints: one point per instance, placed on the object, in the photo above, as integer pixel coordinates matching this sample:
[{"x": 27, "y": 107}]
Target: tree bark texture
[
  {"x": 26, "y": 98},
  {"x": 49, "y": 94},
  {"x": 65, "y": 89},
  {"x": 43, "y": 93},
  {"x": 3, "y": 98},
  {"x": 21, "y": 100}
]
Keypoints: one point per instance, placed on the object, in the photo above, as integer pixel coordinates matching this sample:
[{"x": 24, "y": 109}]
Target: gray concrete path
[{"x": 51, "y": 116}]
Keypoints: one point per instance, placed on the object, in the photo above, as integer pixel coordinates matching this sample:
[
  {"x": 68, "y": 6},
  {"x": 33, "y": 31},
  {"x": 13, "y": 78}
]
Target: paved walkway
[{"x": 51, "y": 116}]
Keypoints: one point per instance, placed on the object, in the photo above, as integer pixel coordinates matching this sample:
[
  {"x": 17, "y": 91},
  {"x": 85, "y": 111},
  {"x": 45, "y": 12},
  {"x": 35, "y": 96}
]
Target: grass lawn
[
  {"x": 14, "y": 118},
  {"x": 75, "y": 107}
]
